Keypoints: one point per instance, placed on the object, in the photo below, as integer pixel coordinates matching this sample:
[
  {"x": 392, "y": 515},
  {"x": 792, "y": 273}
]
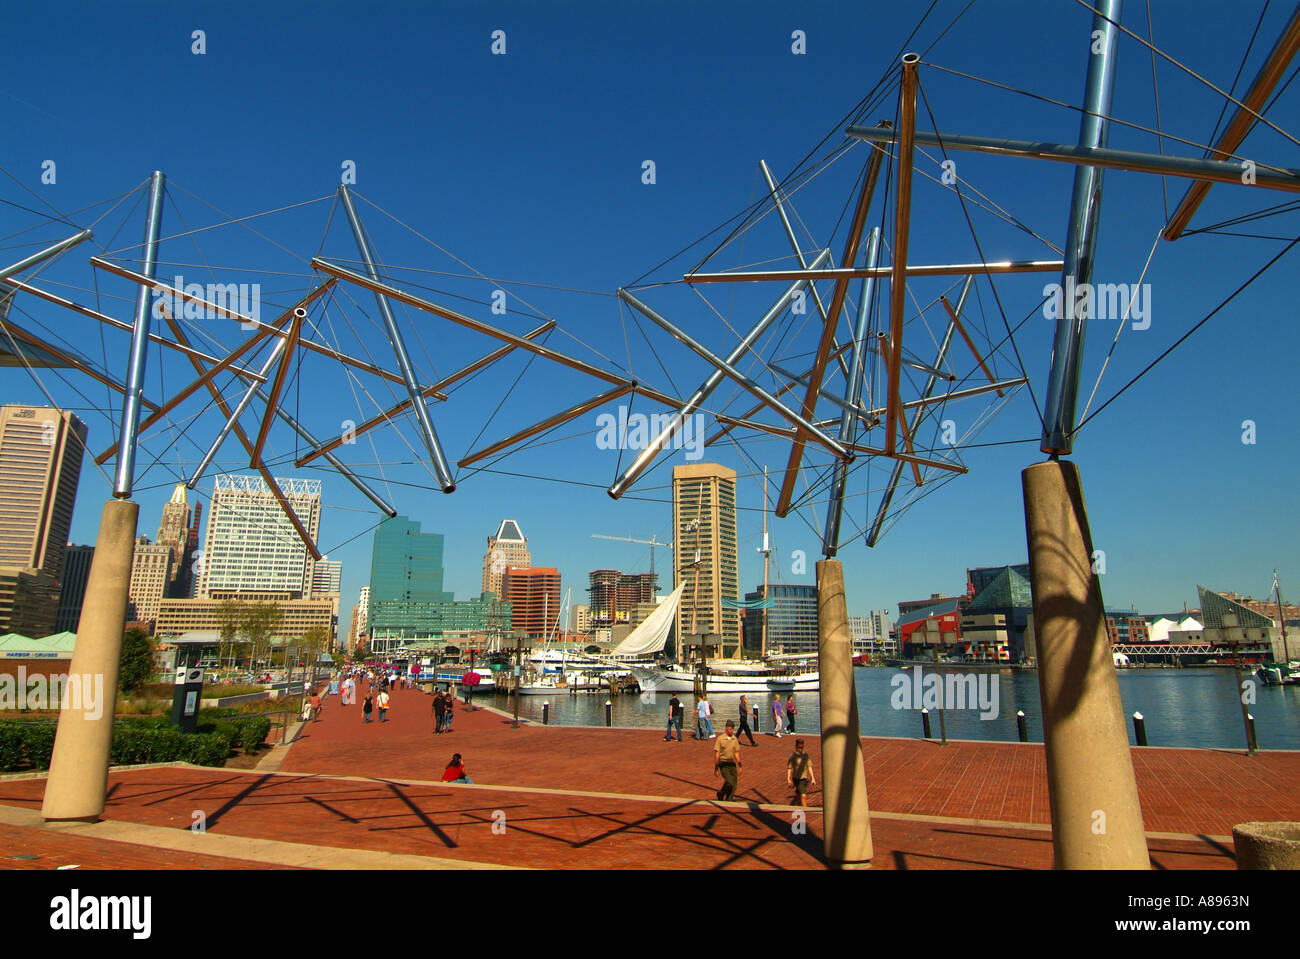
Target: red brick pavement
[
  {"x": 530, "y": 780},
  {"x": 544, "y": 830},
  {"x": 1192, "y": 791},
  {"x": 25, "y": 848}
]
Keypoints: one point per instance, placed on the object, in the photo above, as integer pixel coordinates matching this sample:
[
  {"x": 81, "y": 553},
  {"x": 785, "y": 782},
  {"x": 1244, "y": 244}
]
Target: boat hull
[{"x": 673, "y": 681}]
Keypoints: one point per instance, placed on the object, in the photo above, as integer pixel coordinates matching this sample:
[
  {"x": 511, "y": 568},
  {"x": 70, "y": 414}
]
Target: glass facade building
[
  {"x": 406, "y": 565},
  {"x": 791, "y": 620}
]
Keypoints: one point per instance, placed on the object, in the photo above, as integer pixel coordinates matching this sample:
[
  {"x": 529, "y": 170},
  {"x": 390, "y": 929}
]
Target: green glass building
[{"x": 406, "y": 565}]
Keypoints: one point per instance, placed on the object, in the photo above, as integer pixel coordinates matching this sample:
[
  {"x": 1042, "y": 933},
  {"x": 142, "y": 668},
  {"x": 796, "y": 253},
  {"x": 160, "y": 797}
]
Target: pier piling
[
  {"x": 1140, "y": 729},
  {"x": 1021, "y": 726},
  {"x": 925, "y": 724}
]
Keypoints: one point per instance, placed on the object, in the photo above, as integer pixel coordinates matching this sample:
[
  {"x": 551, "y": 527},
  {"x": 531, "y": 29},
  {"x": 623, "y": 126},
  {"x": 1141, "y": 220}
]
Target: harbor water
[{"x": 1181, "y": 707}]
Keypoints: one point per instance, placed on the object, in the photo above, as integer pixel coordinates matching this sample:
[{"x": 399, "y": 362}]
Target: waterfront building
[
  {"x": 509, "y": 547},
  {"x": 1126, "y": 626},
  {"x": 151, "y": 569},
  {"x": 791, "y": 620},
  {"x": 1238, "y": 630},
  {"x": 533, "y": 593},
  {"x": 72, "y": 587},
  {"x": 909, "y": 606},
  {"x": 40, "y": 464},
  {"x": 395, "y": 623},
  {"x": 997, "y": 619},
  {"x": 923, "y": 627},
  {"x": 251, "y": 546},
  {"x": 871, "y": 634},
  {"x": 705, "y": 552}
]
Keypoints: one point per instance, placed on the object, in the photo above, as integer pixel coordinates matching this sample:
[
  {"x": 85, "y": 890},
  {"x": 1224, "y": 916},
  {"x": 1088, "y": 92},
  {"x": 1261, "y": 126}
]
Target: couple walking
[
  {"x": 443, "y": 707},
  {"x": 783, "y": 716}
]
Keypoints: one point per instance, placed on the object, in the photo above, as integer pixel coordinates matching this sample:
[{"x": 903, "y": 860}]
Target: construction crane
[{"x": 651, "y": 542}]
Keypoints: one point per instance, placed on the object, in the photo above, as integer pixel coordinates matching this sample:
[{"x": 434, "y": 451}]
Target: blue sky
[{"x": 528, "y": 167}]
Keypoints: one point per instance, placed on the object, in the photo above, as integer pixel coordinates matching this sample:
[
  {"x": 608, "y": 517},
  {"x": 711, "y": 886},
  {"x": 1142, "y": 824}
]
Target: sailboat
[{"x": 543, "y": 683}]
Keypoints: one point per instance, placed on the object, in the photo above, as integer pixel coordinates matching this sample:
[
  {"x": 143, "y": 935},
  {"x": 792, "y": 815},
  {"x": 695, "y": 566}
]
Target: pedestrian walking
[
  {"x": 367, "y": 707},
  {"x": 439, "y": 708},
  {"x": 799, "y": 773},
  {"x": 726, "y": 762},
  {"x": 383, "y": 706},
  {"x": 675, "y": 711},
  {"x": 744, "y": 720},
  {"x": 791, "y": 711},
  {"x": 315, "y": 707},
  {"x": 704, "y": 712},
  {"x": 455, "y": 771},
  {"x": 778, "y": 715},
  {"x": 449, "y": 707}
]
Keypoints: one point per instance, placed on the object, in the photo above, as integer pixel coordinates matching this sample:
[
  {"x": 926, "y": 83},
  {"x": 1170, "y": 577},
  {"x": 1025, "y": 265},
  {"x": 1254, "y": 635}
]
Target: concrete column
[
  {"x": 845, "y": 823},
  {"x": 78, "y": 782},
  {"x": 1096, "y": 817}
]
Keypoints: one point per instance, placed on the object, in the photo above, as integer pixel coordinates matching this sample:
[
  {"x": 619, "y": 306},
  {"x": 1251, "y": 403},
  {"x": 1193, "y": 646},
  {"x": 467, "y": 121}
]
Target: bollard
[
  {"x": 1250, "y": 732},
  {"x": 925, "y": 723},
  {"x": 1021, "y": 726},
  {"x": 546, "y": 713},
  {"x": 1140, "y": 729},
  {"x": 609, "y": 713}
]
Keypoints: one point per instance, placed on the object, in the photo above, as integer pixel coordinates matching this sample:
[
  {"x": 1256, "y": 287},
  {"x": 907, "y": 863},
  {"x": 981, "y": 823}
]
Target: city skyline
[{"x": 1153, "y": 465}]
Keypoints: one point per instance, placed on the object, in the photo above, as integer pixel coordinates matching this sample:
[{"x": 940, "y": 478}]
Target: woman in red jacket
[{"x": 455, "y": 771}]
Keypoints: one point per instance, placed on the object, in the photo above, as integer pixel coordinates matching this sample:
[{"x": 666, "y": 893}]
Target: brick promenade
[{"x": 563, "y": 797}]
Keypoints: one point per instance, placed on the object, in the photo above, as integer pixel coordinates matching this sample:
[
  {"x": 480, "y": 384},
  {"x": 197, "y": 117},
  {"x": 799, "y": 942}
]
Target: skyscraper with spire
[{"x": 174, "y": 531}]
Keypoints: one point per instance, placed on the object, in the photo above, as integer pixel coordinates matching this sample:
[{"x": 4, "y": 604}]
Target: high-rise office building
[
  {"x": 40, "y": 464},
  {"x": 72, "y": 586},
  {"x": 704, "y": 550},
  {"x": 509, "y": 547},
  {"x": 533, "y": 593},
  {"x": 405, "y": 564},
  {"x": 174, "y": 531},
  {"x": 791, "y": 620},
  {"x": 151, "y": 568},
  {"x": 327, "y": 577},
  {"x": 251, "y": 547}
]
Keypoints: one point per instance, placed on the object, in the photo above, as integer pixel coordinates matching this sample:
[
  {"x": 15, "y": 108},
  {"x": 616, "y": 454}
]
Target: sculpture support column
[
  {"x": 846, "y": 826},
  {"x": 1096, "y": 815},
  {"x": 78, "y": 782}
]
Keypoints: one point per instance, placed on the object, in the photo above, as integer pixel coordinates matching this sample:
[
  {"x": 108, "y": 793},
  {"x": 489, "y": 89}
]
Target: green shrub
[
  {"x": 205, "y": 750},
  {"x": 39, "y": 744},
  {"x": 11, "y": 747},
  {"x": 255, "y": 731}
]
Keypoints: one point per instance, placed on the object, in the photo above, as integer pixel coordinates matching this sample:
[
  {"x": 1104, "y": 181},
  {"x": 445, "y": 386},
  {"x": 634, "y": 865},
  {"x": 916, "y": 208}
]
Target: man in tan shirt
[{"x": 726, "y": 761}]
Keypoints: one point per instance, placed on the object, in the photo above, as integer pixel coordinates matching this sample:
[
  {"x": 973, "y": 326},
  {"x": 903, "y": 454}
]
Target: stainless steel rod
[
  {"x": 441, "y": 468},
  {"x": 647, "y": 455},
  {"x": 124, "y": 479}
]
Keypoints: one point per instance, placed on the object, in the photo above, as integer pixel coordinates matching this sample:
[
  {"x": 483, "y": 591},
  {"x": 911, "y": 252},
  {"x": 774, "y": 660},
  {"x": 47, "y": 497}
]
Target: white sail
[{"x": 651, "y": 636}]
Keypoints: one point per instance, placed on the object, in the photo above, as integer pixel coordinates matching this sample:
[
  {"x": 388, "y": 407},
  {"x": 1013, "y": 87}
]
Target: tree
[
  {"x": 231, "y": 613},
  {"x": 137, "y": 660},
  {"x": 259, "y": 621}
]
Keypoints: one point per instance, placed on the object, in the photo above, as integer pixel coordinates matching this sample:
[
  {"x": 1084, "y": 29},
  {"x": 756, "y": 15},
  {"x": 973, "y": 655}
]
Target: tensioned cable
[
  {"x": 1231, "y": 296},
  {"x": 1123, "y": 322},
  {"x": 992, "y": 286},
  {"x": 1190, "y": 72},
  {"x": 1223, "y": 110}
]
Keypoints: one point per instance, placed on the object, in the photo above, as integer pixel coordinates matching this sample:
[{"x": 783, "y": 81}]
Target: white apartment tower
[{"x": 251, "y": 547}]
